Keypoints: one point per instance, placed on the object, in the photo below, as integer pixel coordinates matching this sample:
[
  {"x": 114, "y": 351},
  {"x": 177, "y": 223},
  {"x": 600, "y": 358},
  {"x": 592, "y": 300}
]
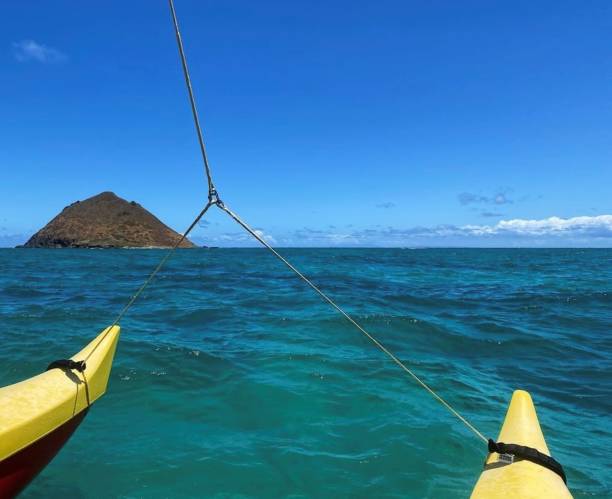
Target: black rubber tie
[
  {"x": 528, "y": 454},
  {"x": 76, "y": 365}
]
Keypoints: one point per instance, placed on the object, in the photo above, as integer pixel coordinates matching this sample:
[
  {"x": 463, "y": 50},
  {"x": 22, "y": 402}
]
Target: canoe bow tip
[{"x": 521, "y": 398}]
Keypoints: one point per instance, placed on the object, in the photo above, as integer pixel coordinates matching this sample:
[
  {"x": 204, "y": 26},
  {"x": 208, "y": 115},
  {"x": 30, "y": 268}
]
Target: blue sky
[{"x": 388, "y": 123}]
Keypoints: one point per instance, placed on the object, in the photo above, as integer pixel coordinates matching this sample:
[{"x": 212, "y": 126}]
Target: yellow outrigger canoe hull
[
  {"x": 38, "y": 415},
  {"x": 521, "y": 479}
]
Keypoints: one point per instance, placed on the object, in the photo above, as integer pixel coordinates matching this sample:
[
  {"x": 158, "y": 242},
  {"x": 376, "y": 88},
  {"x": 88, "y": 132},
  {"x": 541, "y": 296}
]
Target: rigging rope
[
  {"x": 212, "y": 193},
  {"x": 214, "y": 199}
]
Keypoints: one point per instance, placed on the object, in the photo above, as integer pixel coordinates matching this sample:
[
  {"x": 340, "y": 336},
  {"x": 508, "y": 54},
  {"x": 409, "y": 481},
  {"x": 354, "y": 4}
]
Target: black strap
[
  {"x": 77, "y": 365},
  {"x": 529, "y": 454}
]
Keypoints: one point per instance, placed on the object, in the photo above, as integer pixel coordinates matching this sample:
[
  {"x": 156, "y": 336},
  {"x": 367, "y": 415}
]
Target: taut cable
[
  {"x": 212, "y": 193},
  {"x": 214, "y": 199}
]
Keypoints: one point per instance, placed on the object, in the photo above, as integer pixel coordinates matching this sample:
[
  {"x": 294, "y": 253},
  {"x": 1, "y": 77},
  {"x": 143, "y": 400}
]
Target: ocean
[{"x": 233, "y": 379}]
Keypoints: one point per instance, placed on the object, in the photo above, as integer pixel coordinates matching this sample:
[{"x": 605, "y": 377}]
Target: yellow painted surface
[
  {"x": 521, "y": 479},
  {"x": 32, "y": 408}
]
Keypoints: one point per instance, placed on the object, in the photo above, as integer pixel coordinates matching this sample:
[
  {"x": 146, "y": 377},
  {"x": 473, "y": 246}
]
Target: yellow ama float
[{"x": 512, "y": 476}]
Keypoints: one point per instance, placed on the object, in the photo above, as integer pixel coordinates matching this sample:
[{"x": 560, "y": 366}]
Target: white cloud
[
  {"x": 29, "y": 50},
  {"x": 597, "y": 226},
  {"x": 583, "y": 231},
  {"x": 322, "y": 237},
  {"x": 266, "y": 237},
  {"x": 238, "y": 238},
  {"x": 553, "y": 231},
  {"x": 9, "y": 240},
  {"x": 500, "y": 197}
]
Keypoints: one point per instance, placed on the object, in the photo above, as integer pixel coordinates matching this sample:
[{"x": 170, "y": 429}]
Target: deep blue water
[{"x": 233, "y": 379}]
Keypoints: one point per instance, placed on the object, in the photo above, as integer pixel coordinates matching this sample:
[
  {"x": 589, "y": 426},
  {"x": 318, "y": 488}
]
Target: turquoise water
[{"x": 232, "y": 379}]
